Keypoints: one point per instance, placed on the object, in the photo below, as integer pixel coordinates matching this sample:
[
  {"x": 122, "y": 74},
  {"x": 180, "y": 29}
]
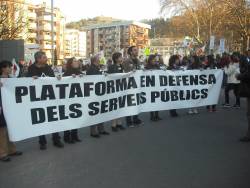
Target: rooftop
[{"x": 118, "y": 23}]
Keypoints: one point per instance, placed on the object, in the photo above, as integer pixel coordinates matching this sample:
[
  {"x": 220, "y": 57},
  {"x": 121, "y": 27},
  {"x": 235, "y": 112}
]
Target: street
[{"x": 191, "y": 151}]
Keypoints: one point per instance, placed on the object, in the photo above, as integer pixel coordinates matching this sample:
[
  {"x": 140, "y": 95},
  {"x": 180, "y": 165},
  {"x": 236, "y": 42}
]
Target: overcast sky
[{"x": 122, "y": 9}]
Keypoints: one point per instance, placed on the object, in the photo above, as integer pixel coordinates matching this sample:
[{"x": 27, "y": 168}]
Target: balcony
[
  {"x": 32, "y": 15},
  {"x": 32, "y": 35},
  {"x": 44, "y": 18},
  {"x": 46, "y": 46},
  {"x": 32, "y": 26},
  {"x": 46, "y": 27},
  {"x": 47, "y": 37}
]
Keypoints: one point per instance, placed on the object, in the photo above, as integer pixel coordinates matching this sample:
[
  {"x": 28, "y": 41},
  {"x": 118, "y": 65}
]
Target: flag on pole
[{"x": 15, "y": 69}]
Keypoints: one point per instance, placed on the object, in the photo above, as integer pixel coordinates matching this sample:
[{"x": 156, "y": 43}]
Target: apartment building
[
  {"x": 116, "y": 36},
  {"x": 44, "y": 32},
  {"x": 75, "y": 44},
  {"x": 29, "y": 33}
]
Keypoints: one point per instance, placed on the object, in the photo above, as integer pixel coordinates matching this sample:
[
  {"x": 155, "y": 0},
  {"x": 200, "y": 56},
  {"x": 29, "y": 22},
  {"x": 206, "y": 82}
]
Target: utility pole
[{"x": 52, "y": 32}]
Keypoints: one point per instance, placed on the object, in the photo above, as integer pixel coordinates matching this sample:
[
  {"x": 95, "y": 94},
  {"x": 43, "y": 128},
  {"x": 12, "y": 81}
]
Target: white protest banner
[{"x": 47, "y": 105}]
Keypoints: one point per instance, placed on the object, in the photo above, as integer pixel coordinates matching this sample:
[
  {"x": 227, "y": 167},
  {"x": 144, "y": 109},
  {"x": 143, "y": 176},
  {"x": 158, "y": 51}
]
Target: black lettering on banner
[
  {"x": 88, "y": 86},
  {"x": 76, "y": 112},
  {"x": 93, "y": 106},
  {"x": 165, "y": 96},
  {"x": 110, "y": 86},
  {"x": 62, "y": 90},
  {"x": 113, "y": 104},
  {"x": 37, "y": 115},
  {"x": 47, "y": 93},
  {"x": 178, "y": 80},
  {"x": 137, "y": 98},
  {"x": 20, "y": 92},
  {"x": 100, "y": 88},
  {"x": 147, "y": 81},
  {"x": 154, "y": 95},
  {"x": 33, "y": 96},
  {"x": 174, "y": 96},
  {"x": 195, "y": 94},
  {"x": 75, "y": 90},
  {"x": 132, "y": 83},
  {"x": 203, "y": 79},
  {"x": 62, "y": 114},
  {"x": 211, "y": 79},
  {"x": 188, "y": 95},
  {"x": 51, "y": 112},
  {"x": 171, "y": 81},
  {"x": 104, "y": 106},
  {"x": 131, "y": 100},
  {"x": 194, "y": 80},
  {"x": 142, "y": 78},
  {"x": 163, "y": 80},
  {"x": 121, "y": 84},
  {"x": 204, "y": 93},
  {"x": 185, "y": 80},
  {"x": 150, "y": 81},
  {"x": 182, "y": 93},
  {"x": 143, "y": 98},
  {"x": 122, "y": 101}
]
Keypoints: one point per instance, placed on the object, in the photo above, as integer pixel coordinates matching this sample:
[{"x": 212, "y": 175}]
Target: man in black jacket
[
  {"x": 244, "y": 77},
  {"x": 132, "y": 64},
  {"x": 94, "y": 69},
  {"x": 41, "y": 69}
]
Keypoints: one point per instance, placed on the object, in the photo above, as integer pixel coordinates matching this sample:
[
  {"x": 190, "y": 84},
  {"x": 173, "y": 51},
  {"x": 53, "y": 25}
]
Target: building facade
[
  {"x": 36, "y": 28},
  {"x": 116, "y": 36},
  {"x": 167, "y": 46},
  {"x": 75, "y": 44},
  {"x": 44, "y": 32}
]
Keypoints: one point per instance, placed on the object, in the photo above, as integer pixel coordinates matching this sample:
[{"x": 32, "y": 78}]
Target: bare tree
[
  {"x": 239, "y": 14},
  {"x": 182, "y": 6},
  {"x": 213, "y": 17},
  {"x": 12, "y": 19}
]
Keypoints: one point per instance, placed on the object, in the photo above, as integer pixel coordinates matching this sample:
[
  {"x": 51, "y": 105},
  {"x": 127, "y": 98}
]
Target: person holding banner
[
  {"x": 195, "y": 64},
  {"x": 7, "y": 148},
  {"x": 152, "y": 64},
  {"x": 211, "y": 65},
  {"x": 174, "y": 61},
  {"x": 132, "y": 63},
  {"x": 116, "y": 67},
  {"x": 41, "y": 69},
  {"x": 72, "y": 69},
  {"x": 94, "y": 69}
]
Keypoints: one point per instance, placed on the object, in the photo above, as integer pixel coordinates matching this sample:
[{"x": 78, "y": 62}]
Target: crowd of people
[{"x": 236, "y": 71}]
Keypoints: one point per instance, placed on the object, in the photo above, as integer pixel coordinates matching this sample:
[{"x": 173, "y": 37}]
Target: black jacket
[
  {"x": 33, "y": 70},
  {"x": 93, "y": 70},
  {"x": 244, "y": 75},
  {"x": 114, "y": 68},
  {"x": 152, "y": 66},
  {"x": 72, "y": 71},
  {"x": 2, "y": 119}
]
